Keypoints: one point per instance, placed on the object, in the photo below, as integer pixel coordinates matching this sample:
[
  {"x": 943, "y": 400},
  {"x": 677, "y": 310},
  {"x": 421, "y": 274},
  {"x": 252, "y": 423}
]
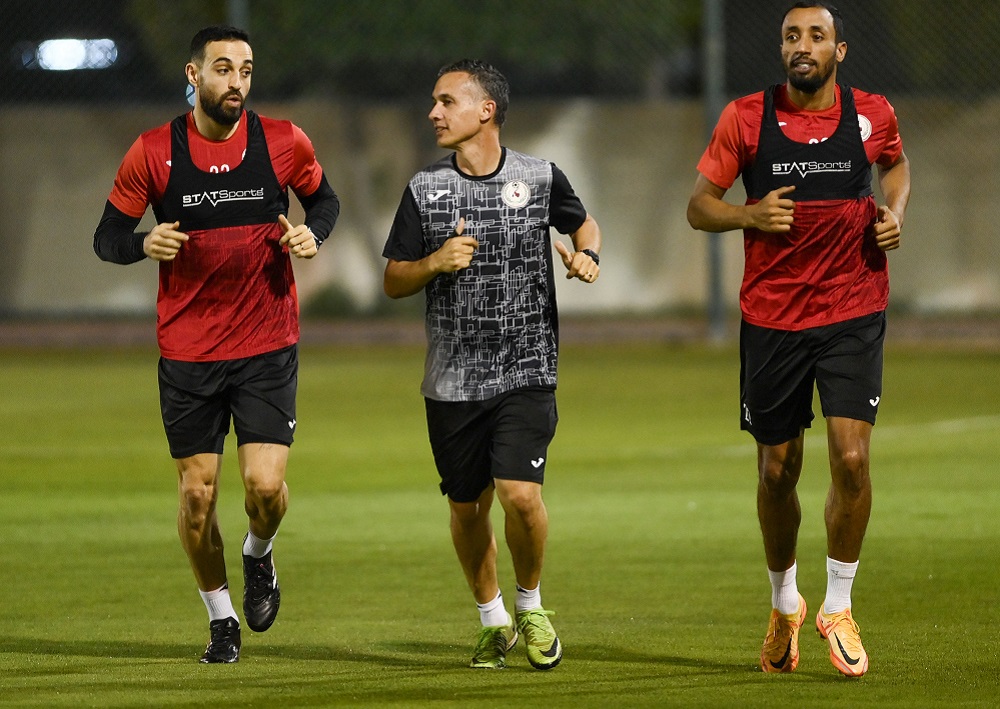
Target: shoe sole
[{"x": 205, "y": 661}]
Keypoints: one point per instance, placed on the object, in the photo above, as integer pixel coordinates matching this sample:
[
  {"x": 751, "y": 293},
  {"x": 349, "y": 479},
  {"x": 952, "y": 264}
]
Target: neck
[
  {"x": 211, "y": 129},
  {"x": 825, "y": 97},
  {"x": 480, "y": 156}
]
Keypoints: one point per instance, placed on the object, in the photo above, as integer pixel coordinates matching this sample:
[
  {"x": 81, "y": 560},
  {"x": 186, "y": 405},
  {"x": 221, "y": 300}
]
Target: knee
[
  {"x": 850, "y": 470},
  {"x": 267, "y": 491},
  {"x": 468, "y": 517},
  {"x": 777, "y": 479},
  {"x": 197, "y": 501},
  {"x": 523, "y": 500}
]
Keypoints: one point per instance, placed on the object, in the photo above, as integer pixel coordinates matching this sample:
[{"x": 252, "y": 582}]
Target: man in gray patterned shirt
[{"x": 472, "y": 231}]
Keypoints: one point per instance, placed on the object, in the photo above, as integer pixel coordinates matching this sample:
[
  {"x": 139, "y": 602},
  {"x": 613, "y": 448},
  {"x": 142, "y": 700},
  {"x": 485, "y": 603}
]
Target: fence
[{"x": 610, "y": 90}]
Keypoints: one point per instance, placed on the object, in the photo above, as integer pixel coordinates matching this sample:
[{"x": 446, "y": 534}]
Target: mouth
[{"x": 802, "y": 66}]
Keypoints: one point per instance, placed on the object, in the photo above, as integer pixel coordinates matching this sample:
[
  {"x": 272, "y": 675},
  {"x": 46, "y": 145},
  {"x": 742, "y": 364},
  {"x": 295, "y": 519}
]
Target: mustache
[{"x": 796, "y": 58}]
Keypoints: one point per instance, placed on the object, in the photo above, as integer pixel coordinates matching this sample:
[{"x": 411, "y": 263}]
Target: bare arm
[
  {"x": 406, "y": 278},
  {"x": 895, "y": 184},
  {"x": 578, "y": 264},
  {"x": 708, "y": 212}
]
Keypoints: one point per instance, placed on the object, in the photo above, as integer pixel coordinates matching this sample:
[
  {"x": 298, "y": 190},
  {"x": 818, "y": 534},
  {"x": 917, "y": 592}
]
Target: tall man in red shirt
[
  {"x": 814, "y": 293},
  {"x": 227, "y": 326}
]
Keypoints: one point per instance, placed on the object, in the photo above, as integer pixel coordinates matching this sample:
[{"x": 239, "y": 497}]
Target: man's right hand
[
  {"x": 774, "y": 213},
  {"x": 456, "y": 252},
  {"x": 163, "y": 242}
]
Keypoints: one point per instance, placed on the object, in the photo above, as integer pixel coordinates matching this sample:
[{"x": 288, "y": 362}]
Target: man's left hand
[
  {"x": 886, "y": 229},
  {"x": 578, "y": 264},
  {"x": 299, "y": 239}
]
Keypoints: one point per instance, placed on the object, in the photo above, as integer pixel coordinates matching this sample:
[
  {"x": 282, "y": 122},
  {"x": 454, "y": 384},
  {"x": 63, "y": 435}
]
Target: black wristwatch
[{"x": 593, "y": 255}]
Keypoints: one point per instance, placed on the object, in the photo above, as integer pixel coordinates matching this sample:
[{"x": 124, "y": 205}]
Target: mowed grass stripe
[{"x": 655, "y": 566}]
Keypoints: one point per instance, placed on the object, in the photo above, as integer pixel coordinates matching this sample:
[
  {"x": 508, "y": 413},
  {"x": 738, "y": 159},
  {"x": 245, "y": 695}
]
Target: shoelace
[
  {"x": 848, "y": 632},
  {"x": 261, "y": 582},
  {"x": 534, "y": 620},
  {"x": 497, "y": 639}
]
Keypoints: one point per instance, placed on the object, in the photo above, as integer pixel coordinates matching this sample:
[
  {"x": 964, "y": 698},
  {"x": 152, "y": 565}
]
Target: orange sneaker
[
  {"x": 846, "y": 651},
  {"x": 781, "y": 646}
]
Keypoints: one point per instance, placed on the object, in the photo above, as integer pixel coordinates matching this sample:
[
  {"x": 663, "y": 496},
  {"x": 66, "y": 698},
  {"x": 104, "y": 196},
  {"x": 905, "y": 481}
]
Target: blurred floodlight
[{"x": 70, "y": 54}]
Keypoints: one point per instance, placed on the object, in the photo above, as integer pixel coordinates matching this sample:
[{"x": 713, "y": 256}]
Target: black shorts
[
  {"x": 778, "y": 369},
  {"x": 197, "y": 400},
  {"x": 505, "y": 437}
]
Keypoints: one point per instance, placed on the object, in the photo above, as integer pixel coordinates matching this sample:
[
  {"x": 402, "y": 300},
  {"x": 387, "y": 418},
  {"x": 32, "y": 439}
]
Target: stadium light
[{"x": 72, "y": 54}]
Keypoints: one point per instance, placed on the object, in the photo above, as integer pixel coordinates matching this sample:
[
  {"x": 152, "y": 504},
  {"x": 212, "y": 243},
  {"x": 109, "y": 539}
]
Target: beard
[
  {"x": 807, "y": 84},
  {"x": 215, "y": 108}
]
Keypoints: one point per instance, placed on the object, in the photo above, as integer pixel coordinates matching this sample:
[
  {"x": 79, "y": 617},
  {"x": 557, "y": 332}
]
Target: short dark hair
[
  {"x": 838, "y": 20},
  {"x": 214, "y": 33},
  {"x": 490, "y": 80}
]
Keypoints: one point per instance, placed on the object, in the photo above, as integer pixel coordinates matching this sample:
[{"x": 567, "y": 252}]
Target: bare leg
[
  {"x": 197, "y": 523},
  {"x": 849, "y": 502},
  {"x": 526, "y": 528},
  {"x": 262, "y": 466},
  {"x": 476, "y": 545},
  {"x": 778, "y": 509}
]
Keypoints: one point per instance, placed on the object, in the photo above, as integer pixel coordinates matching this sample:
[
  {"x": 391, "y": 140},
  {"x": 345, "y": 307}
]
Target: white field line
[{"x": 815, "y": 439}]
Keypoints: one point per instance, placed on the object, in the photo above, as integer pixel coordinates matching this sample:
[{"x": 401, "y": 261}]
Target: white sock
[
  {"x": 839, "y": 580},
  {"x": 218, "y": 603},
  {"x": 784, "y": 590},
  {"x": 255, "y": 546},
  {"x": 528, "y": 600},
  {"x": 493, "y": 614}
]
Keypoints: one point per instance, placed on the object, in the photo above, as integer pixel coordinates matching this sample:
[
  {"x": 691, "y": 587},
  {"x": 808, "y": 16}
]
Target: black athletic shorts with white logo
[
  {"x": 197, "y": 400},
  {"x": 778, "y": 369},
  {"x": 505, "y": 437}
]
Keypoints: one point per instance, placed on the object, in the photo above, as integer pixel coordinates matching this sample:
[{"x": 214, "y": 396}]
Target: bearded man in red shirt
[
  {"x": 815, "y": 288},
  {"x": 227, "y": 324}
]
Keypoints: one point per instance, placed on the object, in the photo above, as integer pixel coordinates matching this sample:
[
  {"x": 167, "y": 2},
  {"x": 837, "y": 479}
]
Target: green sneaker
[
  {"x": 544, "y": 648},
  {"x": 492, "y": 646}
]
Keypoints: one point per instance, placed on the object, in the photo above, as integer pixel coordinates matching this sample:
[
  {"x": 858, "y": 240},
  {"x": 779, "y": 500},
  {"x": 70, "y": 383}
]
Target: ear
[
  {"x": 191, "y": 72},
  {"x": 487, "y": 111},
  {"x": 841, "y": 51}
]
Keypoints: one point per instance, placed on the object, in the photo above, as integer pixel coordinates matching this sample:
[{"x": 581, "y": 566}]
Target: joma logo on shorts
[{"x": 216, "y": 196}]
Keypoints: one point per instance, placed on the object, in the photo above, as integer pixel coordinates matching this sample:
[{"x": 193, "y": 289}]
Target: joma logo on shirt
[
  {"x": 807, "y": 168},
  {"x": 216, "y": 196}
]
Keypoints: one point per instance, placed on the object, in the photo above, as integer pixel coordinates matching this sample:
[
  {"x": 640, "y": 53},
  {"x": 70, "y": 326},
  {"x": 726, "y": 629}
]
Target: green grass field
[{"x": 655, "y": 566}]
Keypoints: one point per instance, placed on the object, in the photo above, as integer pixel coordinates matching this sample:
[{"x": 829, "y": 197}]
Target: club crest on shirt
[
  {"x": 515, "y": 193},
  {"x": 866, "y": 127}
]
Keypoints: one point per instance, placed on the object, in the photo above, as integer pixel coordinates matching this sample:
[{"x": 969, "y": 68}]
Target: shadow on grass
[{"x": 404, "y": 654}]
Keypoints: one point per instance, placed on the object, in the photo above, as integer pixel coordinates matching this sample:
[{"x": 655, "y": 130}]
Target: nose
[{"x": 435, "y": 111}]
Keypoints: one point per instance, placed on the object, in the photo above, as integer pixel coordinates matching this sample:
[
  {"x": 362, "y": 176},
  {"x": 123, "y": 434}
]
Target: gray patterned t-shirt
[{"x": 491, "y": 327}]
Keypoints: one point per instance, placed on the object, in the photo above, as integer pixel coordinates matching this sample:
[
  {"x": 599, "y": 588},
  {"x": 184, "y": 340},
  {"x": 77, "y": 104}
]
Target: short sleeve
[
  {"x": 567, "y": 213},
  {"x": 406, "y": 239},
  {"x": 132, "y": 189}
]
